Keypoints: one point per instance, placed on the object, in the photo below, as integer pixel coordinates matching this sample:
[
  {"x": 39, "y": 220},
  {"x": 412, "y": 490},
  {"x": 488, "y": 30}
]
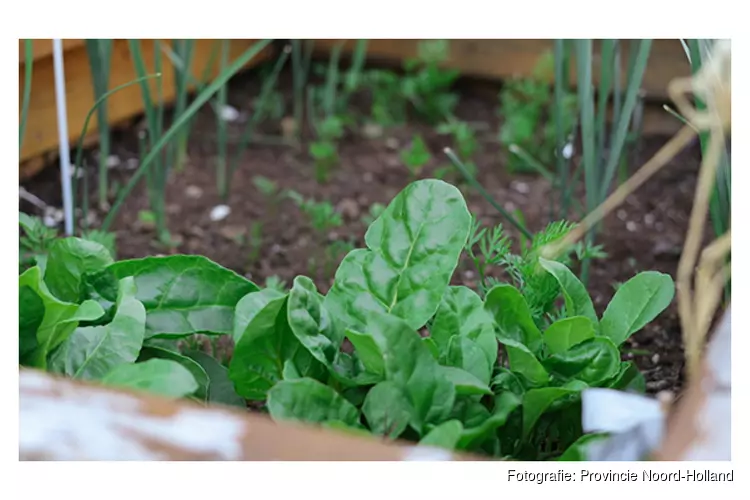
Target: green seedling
[
  {"x": 254, "y": 242},
  {"x": 416, "y": 157},
  {"x": 273, "y": 106},
  {"x": 526, "y": 107},
  {"x": 147, "y": 218},
  {"x": 427, "y": 86},
  {"x": 322, "y": 217},
  {"x": 270, "y": 191},
  {"x": 465, "y": 143},
  {"x": 324, "y": 151},
  {"x": 491, "y": 248},
  {"x": 37, "y": 239},
  {"x": 85, "y": 318},
  {"x": 275, "y": 283},
  {"x": 424, "y": 88}
]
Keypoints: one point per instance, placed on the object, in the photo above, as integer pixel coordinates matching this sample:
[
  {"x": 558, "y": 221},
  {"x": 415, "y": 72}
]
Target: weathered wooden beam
[
  {"x": 499, "y": 59},
  {"x": 63, "y": 419},
  {"x": 41, "y": 126}
]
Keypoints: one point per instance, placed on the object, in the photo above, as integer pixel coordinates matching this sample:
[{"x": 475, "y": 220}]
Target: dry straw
[{"x": 699, "y": 289}]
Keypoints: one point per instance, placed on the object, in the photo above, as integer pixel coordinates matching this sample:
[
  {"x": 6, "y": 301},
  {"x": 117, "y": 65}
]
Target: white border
[{"x": 323, "y": 19}]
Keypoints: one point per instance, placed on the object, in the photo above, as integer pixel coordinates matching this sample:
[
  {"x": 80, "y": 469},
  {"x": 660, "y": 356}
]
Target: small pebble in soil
[
  {"x": 393, "y": 161},
  {"x": 631, "y": 226},
  {"x": 568, "y": 151},
  {"x": 174, "y": 209},
  {"x": 392, "y": 143},
  {"x": 132, "y": 163},
  {"x": 288, "y": 127},
  {"x": 666, "y": 249},
  {"x": 372, "y": 131},
  {"x": 655, "y": 359},
  {"x": 194, "y": 192},
  {"x": 52, "y": 216},
  {"x": 229, "y": 114},
  {"x": 520, "y": 187},
  {"x": 622, "y": 214},
  {"x": 349, "y": 208},
  {"x": 220, "y": 212},
  {"x": 113, "y": 161},
  {"x": 649, "y": 219},
  {"x": 91, "y": 218},
  {"x": 368, "y": 177},
  {"x": 509, "y": 206}
]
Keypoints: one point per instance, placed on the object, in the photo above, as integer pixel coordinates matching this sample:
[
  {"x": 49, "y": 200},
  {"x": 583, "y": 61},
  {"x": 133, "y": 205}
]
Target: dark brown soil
[{"x": 646, "y": 233}]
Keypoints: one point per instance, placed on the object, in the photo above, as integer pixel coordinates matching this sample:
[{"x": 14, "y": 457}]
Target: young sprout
[{"x": 416, "y": 157}]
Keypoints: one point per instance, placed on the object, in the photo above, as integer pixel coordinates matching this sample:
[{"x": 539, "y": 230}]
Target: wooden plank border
[
  {"x": 498, "y": 59},
  {"x": 41, "y": 126}
]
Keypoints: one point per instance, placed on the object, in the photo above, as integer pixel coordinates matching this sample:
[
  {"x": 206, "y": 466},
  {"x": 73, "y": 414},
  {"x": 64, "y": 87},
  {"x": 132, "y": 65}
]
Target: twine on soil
[{"x": 698, "y": 299}]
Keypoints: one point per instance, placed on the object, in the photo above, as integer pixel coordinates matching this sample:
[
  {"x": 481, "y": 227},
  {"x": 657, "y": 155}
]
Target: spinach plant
[
  {"x": 36, "y": 239},
  {"x": 487, "y": 377},
  {"x": 491, "y": 373},
  {"x": 86, "y": 316}
]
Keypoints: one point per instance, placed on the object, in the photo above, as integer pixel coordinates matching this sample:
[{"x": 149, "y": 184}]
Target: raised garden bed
[{"x": 268, "y": 230}]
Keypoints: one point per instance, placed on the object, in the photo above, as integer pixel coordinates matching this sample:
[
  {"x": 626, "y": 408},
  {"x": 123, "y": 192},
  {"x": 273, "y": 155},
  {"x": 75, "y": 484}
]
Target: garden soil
[{"x": 646, "y": 233}]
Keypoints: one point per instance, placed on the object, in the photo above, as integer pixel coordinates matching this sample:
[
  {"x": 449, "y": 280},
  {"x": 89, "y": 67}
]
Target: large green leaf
[
  {"x": 412, "y": 251},
  {"x": 368, "y": 352},
  {"x": 410, "y": 365},
  {"x": 461, "y": 312},
  {"x": 308, "y": 400},
  {"x": 196, "y": 370},
  {"x": 311, "y": 322},
  {"x": 92, "y": 351},
  {"x": 537, "y": 401},
  {"x": 592, "y": 361},
  {"x": 505, "y": 404},
  {"x": 523, "y": 362},
  {"x": 42, "y": 329},
  {"x": 387, "y": 410},
  {"x": 464, "y": 382},
  {"x": 466, "y": 354},
  {"x": 220, "y": 388},
  {"x": 30, "y": 317},
  {"x": 163, "y": 377},
  {"x": 577, "y": 300},
  {"x": 445, "y": 435},
  {"x": 628, "y": 378},
  {"x": 512, "y": 316},
  {"x": 264, "y": 342},
  {"x": 185, "y": 294},
  {"x": 567, "y": 332},
  {"x": 67, "y": 262},
  {"x": 637, "y": 302}
]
